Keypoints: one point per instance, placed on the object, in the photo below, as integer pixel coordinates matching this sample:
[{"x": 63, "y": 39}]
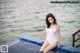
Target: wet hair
[{"x": 47, "y": 22}]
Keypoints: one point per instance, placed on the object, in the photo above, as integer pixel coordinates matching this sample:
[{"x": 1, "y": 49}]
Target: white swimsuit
[{"x": 51, "y": 35}]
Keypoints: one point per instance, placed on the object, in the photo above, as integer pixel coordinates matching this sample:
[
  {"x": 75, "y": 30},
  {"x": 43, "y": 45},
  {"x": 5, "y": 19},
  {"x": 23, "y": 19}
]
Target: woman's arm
[{"x": 59, "y": 35}]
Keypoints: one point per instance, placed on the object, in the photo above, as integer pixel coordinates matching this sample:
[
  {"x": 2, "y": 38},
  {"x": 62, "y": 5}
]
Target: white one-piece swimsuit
[{"x": 51, "y": 34}]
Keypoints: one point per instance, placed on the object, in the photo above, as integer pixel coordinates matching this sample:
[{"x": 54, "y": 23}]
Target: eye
[{"x": 51, "y": 19}]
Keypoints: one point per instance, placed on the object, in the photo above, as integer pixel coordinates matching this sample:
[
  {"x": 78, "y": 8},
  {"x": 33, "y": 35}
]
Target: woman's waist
[
  {"x": 51, "y": 37},
  {"x": 51, "y": 33}
]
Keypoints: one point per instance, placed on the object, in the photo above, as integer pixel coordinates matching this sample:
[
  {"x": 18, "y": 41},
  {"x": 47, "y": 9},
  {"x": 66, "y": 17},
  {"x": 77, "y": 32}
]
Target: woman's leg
[
  {"x": 45, "y": 44},
  {"x": 51, "y": 46}
]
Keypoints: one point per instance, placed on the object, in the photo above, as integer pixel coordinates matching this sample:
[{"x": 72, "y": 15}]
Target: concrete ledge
[
  {"x": 12, "y": 43},
  {"x": 60, "y": 48}
]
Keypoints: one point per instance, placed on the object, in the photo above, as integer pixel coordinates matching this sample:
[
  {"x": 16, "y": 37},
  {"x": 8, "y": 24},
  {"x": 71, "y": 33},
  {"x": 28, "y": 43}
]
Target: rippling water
[{"x": 27, "y": 17}]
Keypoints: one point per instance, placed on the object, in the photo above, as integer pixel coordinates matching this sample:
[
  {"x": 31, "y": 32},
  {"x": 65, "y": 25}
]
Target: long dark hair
[{"x": 47, "y": 22}]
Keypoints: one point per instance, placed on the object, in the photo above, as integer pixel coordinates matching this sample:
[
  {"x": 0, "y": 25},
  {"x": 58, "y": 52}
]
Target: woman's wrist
[{"x": 60, "y": 41}]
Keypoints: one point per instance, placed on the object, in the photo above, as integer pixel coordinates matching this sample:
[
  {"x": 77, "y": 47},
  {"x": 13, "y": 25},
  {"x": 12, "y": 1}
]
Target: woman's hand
[{"x": 61, "y": 42}]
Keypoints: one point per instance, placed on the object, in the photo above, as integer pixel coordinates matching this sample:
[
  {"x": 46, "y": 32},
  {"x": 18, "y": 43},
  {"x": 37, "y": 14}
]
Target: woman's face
[{"x": 51, "y": 20}]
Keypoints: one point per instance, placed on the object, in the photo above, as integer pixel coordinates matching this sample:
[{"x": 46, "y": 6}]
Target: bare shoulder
[{"x": 58, "y": 27}]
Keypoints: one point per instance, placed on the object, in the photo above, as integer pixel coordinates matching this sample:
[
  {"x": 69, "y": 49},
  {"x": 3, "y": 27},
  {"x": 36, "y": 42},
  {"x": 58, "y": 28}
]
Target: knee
[
  {"x": 45, "y": 51},
  {"x": 41, "y": 50}
]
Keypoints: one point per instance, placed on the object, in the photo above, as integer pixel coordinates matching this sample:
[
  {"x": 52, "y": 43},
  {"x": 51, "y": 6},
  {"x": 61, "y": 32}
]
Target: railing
[{"x": 75, "y": 40}]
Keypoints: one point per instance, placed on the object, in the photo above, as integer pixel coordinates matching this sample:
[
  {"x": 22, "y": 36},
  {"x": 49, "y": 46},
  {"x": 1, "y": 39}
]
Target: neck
[{"x": 52, "y": 24}]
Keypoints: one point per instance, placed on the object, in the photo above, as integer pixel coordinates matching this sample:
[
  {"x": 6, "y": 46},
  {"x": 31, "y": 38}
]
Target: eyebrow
[{"x": 49, "y": 19}]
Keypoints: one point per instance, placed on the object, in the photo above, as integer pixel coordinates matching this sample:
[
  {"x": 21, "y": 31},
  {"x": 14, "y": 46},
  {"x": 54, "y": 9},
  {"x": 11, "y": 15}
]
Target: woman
[{"x": 53, "y": 34}]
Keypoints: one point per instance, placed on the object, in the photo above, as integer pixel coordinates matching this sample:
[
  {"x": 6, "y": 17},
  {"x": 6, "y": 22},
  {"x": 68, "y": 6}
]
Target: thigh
[
  {"x": 45, "y": 44},
  {"x": 51, "y": 46}
]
